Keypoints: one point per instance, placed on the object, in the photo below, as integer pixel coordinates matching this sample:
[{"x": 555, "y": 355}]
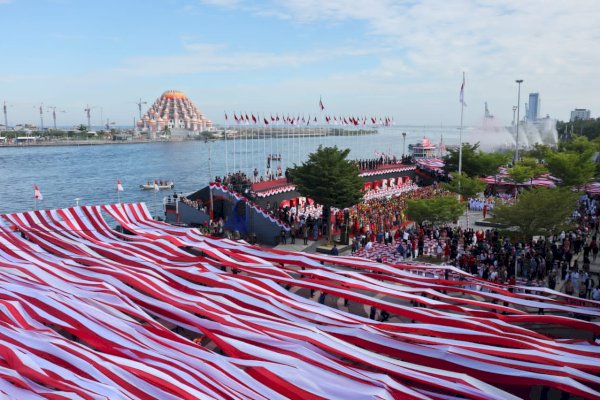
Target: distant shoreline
[{"x": 85, "y": 143}]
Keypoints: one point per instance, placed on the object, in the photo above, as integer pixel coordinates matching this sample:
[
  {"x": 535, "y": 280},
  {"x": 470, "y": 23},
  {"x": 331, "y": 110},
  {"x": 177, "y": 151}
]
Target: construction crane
[
  {"x": 41, "y": 116},
  {"x": 6, "y": 115},
  {"x": 53, "y": 108},
  {"x": 108, "y": 124},
  {"x": 487, "y": 112},
  {"x": 139, "y": 104},
  {"x": 88, "y": 110}
]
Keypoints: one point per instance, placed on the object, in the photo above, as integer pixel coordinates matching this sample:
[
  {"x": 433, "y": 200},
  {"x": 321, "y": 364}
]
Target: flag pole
[
  {"x": 460, "y": 145},
  {"x": 462, "y": 109},
  {"x": 252, "y": 151},
  {"x": 237, "y": 123},
  {"x": 226, "y": 149}
]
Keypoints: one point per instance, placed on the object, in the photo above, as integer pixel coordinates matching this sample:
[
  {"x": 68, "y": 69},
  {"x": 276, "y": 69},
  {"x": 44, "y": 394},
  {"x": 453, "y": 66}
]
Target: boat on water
[{"x": 162, "y": 185}]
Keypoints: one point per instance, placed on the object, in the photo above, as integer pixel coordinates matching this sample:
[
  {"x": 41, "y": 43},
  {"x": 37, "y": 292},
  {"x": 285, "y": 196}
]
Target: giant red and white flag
[
  {"x": 36, "y": 193},
  {"x": 119, "y": 186}
]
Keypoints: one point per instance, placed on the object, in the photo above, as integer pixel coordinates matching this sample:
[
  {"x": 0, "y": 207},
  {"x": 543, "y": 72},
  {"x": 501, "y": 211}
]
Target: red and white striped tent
[
  {"x": 432, "y": 164},
  {"x": 593, "y": 188},
  {"x": 501, "y": 178},
  {"x": 164, "y": 312}
]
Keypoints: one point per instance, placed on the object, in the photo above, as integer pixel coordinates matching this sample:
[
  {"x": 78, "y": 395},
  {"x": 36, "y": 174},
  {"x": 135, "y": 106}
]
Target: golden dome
[{"x": 174, "y": 94}]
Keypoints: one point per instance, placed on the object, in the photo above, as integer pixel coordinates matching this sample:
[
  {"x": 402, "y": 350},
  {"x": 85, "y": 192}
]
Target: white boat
[{"x": 161, "y": 185}]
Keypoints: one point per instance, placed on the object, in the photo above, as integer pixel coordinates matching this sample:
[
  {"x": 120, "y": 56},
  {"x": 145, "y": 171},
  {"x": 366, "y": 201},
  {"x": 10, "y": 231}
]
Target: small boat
[{"x": 164, "y": 185}]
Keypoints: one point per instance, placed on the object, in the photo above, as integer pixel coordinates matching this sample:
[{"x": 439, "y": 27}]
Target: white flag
[{"x": 119, "y": 186}]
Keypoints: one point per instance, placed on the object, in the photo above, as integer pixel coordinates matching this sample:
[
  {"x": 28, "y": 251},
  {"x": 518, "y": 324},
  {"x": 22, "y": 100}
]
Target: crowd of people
[
  {"x": 238, "y": 181},
  {"x": 560, "y": 262},
  {"x": 374, "y": 163},
  {"x": 378, "y": 216},
  {"x": 197, "y": 204}
]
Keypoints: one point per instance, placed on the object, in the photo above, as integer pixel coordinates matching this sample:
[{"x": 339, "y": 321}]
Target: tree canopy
[
  {"x": 436, "y": 211},
  {"x": 329, "y": 178},
  {"x": 573, "y": 169},
  {"x": 474, "y": 161},
  {"x": 578, "y": 144},
  {"x": 465, "y": 186},
  {"x": 539, "y": 211},
  {"x": 538, "y": 152},
  {"x": 589, "y": 128},
  {"x": 520, "y": 173},
  {"x": 527, "y": 168}
]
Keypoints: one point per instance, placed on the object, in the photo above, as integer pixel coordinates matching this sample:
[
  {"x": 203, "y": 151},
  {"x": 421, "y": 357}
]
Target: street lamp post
[
  {"x": 403, "y": 144},
  {"x": 519, "y": 81}
]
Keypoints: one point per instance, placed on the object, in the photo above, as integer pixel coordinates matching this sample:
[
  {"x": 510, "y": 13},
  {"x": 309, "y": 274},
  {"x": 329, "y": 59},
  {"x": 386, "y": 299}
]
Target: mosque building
[{"x": 174, "y": 110}]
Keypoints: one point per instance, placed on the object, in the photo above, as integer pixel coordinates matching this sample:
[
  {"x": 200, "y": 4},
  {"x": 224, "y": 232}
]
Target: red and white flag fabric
[
  {"x": 119, "y": 186},
  {"x": 36, "y": 193},
  {"x": 472, "y": 338},
  {"x": 156, "y": 188}
]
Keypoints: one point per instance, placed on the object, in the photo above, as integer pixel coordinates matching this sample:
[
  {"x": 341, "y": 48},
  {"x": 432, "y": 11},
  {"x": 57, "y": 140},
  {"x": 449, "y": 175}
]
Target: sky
[{"x": 400, "y": 59}]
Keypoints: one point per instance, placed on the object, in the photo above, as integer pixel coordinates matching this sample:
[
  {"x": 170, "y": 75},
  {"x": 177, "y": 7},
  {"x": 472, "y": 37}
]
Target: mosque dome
[
  {"x": 174, "y": 106},
  {"x": 174, "y": 94}
]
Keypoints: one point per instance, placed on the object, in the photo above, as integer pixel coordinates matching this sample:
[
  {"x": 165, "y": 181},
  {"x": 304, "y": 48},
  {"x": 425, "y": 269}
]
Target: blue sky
[{"x": 402, "y": 59}]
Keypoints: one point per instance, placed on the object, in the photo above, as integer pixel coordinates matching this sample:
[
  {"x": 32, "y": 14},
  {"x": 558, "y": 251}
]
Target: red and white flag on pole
[
  {"x": 462, "y": 92},
  {"x": 36, "y": 193},
  {"x": 156, "y": 188},
  {"x": 119, "y": 186}
]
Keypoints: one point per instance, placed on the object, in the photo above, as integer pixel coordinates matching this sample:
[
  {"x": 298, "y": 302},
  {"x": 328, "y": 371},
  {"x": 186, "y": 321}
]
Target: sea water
[{"x": 89, "y": 173}]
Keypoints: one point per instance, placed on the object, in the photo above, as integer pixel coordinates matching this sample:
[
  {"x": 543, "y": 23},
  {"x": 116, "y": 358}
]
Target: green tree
[
  {"x": 465, "y": 186},
  {"x": 520, "y": 173},
  {"x": 474, "y": 161},
  {"x": 329, "y": 178},
  {"x": 578, "y": 144},
  {"x": 538, "y": 152},
  {"x": 573, "y": 169},
  {"x": 540, "y": 211},
  {"x": 537, "y": 167},
  {"x": 526, "y": 169},
  {"x": 589, "y": 128},
  {"x": 436, "y": 211}
]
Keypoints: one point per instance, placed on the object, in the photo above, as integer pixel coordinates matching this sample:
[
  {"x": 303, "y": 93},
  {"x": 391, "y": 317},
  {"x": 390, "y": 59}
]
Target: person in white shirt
[
  {"x": 575, "y": 281},
  {"x": 596, "y": 293}
]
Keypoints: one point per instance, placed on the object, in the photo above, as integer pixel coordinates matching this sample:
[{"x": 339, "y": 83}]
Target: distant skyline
[{"x": 402, "y": 59}]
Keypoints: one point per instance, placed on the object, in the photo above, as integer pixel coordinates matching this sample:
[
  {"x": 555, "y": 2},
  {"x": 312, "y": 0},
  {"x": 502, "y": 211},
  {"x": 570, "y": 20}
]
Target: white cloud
[
  {"x": 551, "y": 45},
  {"x": 201, "y": 57}
]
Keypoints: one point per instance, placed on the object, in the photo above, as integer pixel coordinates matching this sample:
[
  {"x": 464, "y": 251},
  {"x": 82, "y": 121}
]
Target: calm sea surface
[{"x": 65, "y": 173}]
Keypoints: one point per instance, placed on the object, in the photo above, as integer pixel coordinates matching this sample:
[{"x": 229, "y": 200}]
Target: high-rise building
[
  {"x": 580, "y": 113},
  {"x": 534, "y": 107}
]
